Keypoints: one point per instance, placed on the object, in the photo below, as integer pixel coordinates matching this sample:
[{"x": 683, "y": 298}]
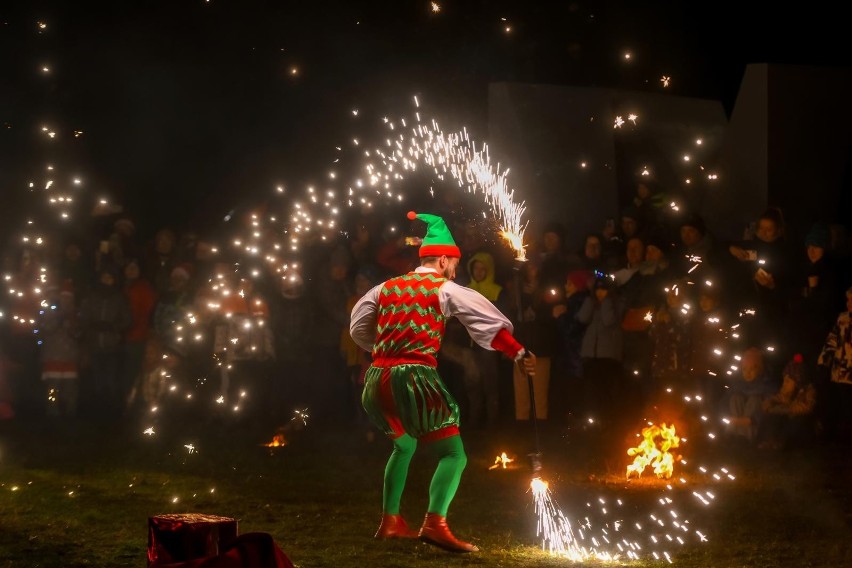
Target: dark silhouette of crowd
[{"x": 757, "y": 329}]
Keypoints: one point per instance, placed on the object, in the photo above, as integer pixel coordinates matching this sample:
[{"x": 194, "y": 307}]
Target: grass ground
[{"x": 80, "y": 495}]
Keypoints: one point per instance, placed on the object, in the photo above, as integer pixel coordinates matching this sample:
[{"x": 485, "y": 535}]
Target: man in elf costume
[{"x": 401, "y": 321}]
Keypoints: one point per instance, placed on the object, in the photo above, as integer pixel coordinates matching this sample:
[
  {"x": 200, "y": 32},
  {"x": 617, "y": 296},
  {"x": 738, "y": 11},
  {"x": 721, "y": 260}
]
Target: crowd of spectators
[{"x": 758, "y": 328}]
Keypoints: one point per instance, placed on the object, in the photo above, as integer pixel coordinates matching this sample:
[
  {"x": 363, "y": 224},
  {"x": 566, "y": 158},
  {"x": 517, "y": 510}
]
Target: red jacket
[{"x": 142, "y": 298}]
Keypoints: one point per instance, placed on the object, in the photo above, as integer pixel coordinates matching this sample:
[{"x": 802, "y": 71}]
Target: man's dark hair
[{"x": 428, "y": 259}]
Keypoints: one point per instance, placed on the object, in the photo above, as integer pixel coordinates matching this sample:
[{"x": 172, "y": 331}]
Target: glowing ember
[
  {"x": 654, "y": 451},
  {"x": 278, "y": 440},
  {"x": 501, "y": 461}
]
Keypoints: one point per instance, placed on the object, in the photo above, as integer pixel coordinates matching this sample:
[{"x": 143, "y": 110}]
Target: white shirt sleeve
[
  {"x": 479, "y": 316},
  {"x": 364, "y": 319}
]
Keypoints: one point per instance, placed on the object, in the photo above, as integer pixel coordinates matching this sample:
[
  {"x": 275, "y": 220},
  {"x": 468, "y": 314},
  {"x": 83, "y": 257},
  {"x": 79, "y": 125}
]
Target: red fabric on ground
[{"x": 250, "y": 550}]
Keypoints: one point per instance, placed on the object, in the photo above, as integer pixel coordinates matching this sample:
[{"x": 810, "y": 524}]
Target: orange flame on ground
[
  {"x": 501, "y": 460},
  {"x": 278, "y": 440},
  {"x": 654, "y": 451}
]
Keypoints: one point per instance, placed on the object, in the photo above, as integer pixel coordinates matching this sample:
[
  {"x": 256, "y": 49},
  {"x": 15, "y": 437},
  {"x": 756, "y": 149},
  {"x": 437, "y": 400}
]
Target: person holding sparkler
[{"x": 401, "y": 321}]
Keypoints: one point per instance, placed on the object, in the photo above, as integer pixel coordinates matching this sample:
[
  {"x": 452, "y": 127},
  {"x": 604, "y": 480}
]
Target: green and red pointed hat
[{"x": 438, "y": 240}]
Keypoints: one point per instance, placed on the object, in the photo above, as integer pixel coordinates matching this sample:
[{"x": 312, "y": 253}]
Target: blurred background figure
[
  {"x": 483, "y": 389},
  {"x": 291, "y": 324},
  {"x": 836, "y": 355},
  {"x": 788, "y": 415},
  {"x": 748, "y": 389},
  {"x": 60, "y": 355},
  {"x": 142, "y": 300},
  {"x": 104, "y": 318},
  {"x": 7, "y": 407},
  {"x": 357, "y": 360},
  {"x": 601, "y": 352},
  {"x": 333, "y": 288},
  {"x": 567, "y": 384}
]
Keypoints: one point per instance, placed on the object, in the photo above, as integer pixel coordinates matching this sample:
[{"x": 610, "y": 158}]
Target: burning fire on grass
[
  {"x": 298, "y": 422},
  {"x": 501, "y": 461},
  {"x": 653, "y": 451},
  {"x": 278, "y": 440}
]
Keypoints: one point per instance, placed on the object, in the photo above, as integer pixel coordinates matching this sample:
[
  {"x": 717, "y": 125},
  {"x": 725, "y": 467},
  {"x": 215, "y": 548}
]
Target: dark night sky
[{"x": 189, "y": 107}]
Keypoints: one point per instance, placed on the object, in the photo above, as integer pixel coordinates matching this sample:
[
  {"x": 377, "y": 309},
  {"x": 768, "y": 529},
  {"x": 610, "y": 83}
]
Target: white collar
[{"x": 422, "y": 269}]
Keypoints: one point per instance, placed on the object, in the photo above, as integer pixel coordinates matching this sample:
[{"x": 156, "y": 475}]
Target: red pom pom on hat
[{"x": 411, "y": 215}]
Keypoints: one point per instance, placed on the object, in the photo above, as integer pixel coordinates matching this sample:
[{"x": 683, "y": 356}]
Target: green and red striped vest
[{"x": 410, "y": 323}]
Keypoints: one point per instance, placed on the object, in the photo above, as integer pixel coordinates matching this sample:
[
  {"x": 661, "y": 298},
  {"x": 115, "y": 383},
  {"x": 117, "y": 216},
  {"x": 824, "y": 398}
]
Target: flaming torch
[{"x": 535, "y": 457}]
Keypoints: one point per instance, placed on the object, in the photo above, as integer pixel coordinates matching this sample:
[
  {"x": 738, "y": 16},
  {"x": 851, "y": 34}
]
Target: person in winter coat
[
  {"x": 568, "y": 389},
  {"x": 746, "y": 394},
  {"x": 104, "y": 318},
  {"x": 837, "y": 356},
  {"x": 601, "y": 349},
  {"x": 788, "y": 415},
  {"x": 60, "y": 355},
  {"x": 483, "y": 393}
]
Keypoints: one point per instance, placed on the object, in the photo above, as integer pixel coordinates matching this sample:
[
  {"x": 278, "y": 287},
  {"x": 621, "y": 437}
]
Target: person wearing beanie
[
  {"x": 659, "y": 241},
  {"x": 401, "y": 322},
  {"x": 819, "y": 237},
  {"x": 695, "y": 242},
  {"x": 765, "y": 276},
  {"x": 567, "y": 389},
  {"x": 814, "y": 297},
  {"x": 601, "y": 351},
  {"x": 579, "y": 279},
  {"x": 789, "y": 413},
  {"x": 630, "y": 223},
  {"x": 747, "y": 389},
  {"x": 552, "y": 256},
  {"x": 557, "y": 230},
  {"x": 695, "y": 222},
  {"x": 657, "y": 268}
]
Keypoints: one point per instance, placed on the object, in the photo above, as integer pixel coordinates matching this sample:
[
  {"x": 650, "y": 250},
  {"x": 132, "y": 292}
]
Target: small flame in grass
[
  {"x": 654, "y": 451},
  {"x": 278, "y": 440},
  {"x": 501, "y": 461}
]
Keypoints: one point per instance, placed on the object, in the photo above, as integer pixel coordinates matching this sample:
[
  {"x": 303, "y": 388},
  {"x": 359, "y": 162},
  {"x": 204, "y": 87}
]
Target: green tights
[{"x": 445, "y": 481}]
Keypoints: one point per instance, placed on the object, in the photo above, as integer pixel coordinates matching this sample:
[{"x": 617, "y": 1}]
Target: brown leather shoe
[
  {"x": 435, "y": 531},
  {"x": 394, "y": 526}
]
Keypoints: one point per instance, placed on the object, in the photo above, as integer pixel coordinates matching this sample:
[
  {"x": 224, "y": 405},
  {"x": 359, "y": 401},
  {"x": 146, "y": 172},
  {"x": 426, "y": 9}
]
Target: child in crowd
[
  {"x": 746, "y": 394},
  {"x": 788, "y": 415}
]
